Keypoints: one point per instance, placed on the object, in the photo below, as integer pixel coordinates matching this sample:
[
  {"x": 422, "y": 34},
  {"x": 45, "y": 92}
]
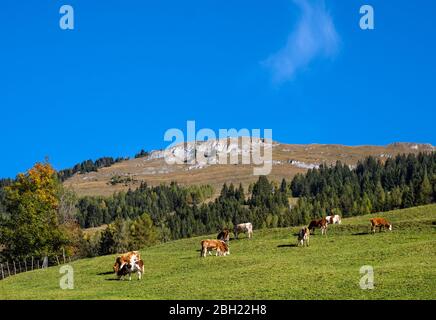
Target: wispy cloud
[{"x": 314, "y": 36}]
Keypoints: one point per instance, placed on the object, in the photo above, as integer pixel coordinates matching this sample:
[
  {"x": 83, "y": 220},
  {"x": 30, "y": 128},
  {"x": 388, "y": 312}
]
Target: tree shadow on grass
[
  {"x": 121, "y": 280},
  {"x": 363, "y": 233},
  {"x": 287, "y": 246}
]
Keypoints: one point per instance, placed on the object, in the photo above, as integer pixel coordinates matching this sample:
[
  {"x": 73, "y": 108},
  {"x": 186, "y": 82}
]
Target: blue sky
[{"x": 131, "y": 70}]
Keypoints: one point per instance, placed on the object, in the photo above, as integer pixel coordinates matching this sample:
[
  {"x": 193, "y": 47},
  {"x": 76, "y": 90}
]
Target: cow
[
  {"x": 303, "y": 237},
  {"x": 128, "y": 269},
  {"x": 336, "y": 219},
  {"x": 222, "y": 249},
  {"x": 381, "y": 223},
  {"x": 319, "y": 223},
  {"x": 129, "y": 257},
  {"x": 244, "y": 227},
  {"x": 224, "y": 235}
]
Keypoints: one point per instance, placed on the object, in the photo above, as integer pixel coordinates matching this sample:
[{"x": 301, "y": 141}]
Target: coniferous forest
[
  {"x": 373, "y": 186},
  {"x": 88, "y": 166}
]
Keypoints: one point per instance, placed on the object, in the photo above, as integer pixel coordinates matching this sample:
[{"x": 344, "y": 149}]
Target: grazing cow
[
  {"x": 303, "y": 237},
  {"x": 336, "y": 219},
  {"x": 222, "y": 249},
  {"x": 224, "y": 235},
  {"x": 244, "y": 227},
  {"x": 129, "y": 257},
  {"x": 128, "y": 269},
  {"x": 320, "y": 223},
  {"x": 381, "y": 223}
]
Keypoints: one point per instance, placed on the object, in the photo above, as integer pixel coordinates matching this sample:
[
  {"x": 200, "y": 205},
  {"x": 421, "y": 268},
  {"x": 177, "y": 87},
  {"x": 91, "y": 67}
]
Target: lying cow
[
  {"x": 319, "y": 223},
  {"x": 128, "y": 269},
  {"x": 303, "y": 237},
  {"x": 381, "y": 223},
  {"x": 222, "y": 249},
  {"x": 224, "y": 235},
  {"x": 129, "y": 257},
  {"x": 244, "y": 227},
  {"x": 336, "y": 219}
]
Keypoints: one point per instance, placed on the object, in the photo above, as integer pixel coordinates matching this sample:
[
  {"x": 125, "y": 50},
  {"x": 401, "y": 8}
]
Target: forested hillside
[
  {"x": 373, "y": 186},
  {"x": 170, "y": 211},
  {"x": 88, "y": 166},
  {"x": 179, "y": 212}
]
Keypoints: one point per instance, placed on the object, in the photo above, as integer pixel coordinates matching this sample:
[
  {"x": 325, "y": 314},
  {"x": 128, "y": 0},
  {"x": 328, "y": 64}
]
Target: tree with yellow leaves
[{"x": 31, "y": 226}]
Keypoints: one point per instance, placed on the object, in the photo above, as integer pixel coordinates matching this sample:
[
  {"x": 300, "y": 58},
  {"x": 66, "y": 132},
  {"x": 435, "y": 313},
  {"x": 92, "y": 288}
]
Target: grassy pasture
[{"x": 269, "y": 266}]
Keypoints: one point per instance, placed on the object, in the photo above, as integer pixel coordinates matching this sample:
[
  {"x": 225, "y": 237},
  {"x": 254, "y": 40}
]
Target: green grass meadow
[{"x": 269, "y": 266}]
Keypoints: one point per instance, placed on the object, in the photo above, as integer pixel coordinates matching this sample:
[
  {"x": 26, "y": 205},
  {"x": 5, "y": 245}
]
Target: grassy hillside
[{"x": 267, "y": 267}]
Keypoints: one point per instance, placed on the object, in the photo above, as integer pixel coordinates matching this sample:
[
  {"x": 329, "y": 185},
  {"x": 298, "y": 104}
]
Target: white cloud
[{"x": 314, "y": 36}]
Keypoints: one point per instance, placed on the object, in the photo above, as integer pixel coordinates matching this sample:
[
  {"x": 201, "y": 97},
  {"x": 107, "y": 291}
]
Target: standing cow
[
  {"x": 128, "y": 269},
  {"x": 336, "y": 219},
  {"x": 381, "y": 223},
  {"x": 320, "y": 223},
  {"x": 224, "y": 235},
  {"x": 303, "y": 237},
  {"x": 129, "y": 257},
  {"x": 244, "y": 228}
]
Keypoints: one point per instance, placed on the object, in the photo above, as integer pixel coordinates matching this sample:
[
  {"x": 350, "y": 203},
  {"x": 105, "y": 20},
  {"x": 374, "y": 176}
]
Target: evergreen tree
[
  {"x": 425, "y": 191},
  {"x": 142, "y": 232},
  {"x": 408, "y": 197},
  {"x": 380, "y": 197},
  {"x": 240, "y": 195},
  {"x": 283, "y": 186}
]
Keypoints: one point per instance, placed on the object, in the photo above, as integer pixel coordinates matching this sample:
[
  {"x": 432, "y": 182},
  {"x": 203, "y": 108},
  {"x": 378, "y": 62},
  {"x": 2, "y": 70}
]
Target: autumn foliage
[{"x": 31, "y": 226}]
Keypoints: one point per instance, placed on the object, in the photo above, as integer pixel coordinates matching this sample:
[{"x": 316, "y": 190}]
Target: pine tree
[
  {"x": 425, "y": 191},
  {"x": 283, "y": 186},
  {"x": 239, "y": 195},
  {"x": 366, "y": 205},
  {"x": 408, "y": 197},
  {"x": 142, "y": 232},
  {"x": 380, "y": 197},
  {"x": 396, "y": 198}
]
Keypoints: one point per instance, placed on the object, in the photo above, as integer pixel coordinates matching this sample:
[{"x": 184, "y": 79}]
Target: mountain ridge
[{"x": 287, "y": 160}]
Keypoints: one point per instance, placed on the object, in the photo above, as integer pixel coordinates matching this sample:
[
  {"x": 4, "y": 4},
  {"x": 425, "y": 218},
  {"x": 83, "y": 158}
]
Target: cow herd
[{"x": 131, "y": 262}]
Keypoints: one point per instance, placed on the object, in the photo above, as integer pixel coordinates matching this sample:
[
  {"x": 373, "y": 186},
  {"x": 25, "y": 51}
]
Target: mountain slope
[{"x": 288, "y": 159}]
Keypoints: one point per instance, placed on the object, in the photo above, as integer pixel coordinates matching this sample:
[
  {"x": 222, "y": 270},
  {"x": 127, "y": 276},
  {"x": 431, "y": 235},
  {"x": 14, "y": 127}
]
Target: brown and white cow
[
  {"x": 319, "y": 223},
  {"x": 128, "y": 269},
  {"x": 129, "y": 257},
  {"x": 336, "y": 219},
  {"x": 244, "y": 228},
  {"x": 221, "y": 248},
  {"x": 224, "y": 235},
  {"x": 381, "y": 223},
  {"x": 303, "y": 237}
]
